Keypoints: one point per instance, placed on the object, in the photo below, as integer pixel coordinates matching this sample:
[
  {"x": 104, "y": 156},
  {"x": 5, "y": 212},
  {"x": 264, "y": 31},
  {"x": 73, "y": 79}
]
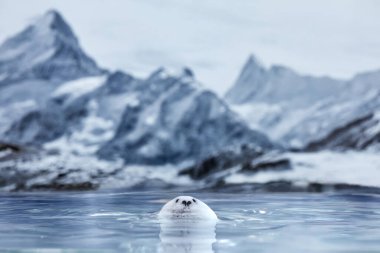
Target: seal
[
  {"x": 187, "y": 225},
  {"x": 187, "y": 208}
]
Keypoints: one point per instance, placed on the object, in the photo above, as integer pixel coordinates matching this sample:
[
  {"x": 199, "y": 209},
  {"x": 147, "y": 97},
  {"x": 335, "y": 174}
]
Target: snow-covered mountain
[
  {"x": 308, "y": 112},
  {"x": 163, "y": 119},
  {"x": 350, "y": 120},
  {"x": 47, "y": 50},
  {"x": 68, "y": 124},
  {"x": 88, "y": 111},
  {"x": 176, "y": 119},
  {"x": 59, "y": 106},
  {"x": 37, "y": 60},
  {"x": 279, "y": 85}
]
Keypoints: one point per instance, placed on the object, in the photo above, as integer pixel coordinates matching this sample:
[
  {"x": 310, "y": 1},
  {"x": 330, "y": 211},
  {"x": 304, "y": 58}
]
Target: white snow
[
  {"x": 78, "y": 169},
  {"x": 43, "y": 23},
  {"x": 89, "y": 169},
  {"x": 94, "y": 131},
  {"x": 180, "y": 107},
  {"x": 43, "y": 56},
  {"x": 216, "y": 108},
  {"x": 13, "y": 111},
  {"x": 150, "y": 115},
  {"x": 134, "y": 174},
  {"x": 4, "y": 153},
  {"x": 10, "y": 53},
  {"x": 253, "y": 114},
  {"x": 79, "y": 87},
  {"x": 130, "y": 99},
  {"x": 177, "y": 72},
  {"x": 151, "y": 119},
  {"x": 356, "y": 168},
  {"x": 273, "y": 119}
]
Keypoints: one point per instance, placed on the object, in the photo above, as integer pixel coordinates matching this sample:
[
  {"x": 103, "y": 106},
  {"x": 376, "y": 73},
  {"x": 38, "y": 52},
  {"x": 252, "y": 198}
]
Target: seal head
[{"x": 187, "y": 208}]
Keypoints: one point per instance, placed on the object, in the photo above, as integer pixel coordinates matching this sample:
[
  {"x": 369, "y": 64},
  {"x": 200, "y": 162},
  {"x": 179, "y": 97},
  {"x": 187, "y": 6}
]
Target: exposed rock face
[
  {"x": 164, "y": 119},
  {"x": 176, "y": 120},
  {"x": 305, "y": 112},
  {"x": 361, "y": 133},
  {"x": 350, "y": 121},
  {"x": 72, "y": 115},
  {"x": 246, "y": 161}
]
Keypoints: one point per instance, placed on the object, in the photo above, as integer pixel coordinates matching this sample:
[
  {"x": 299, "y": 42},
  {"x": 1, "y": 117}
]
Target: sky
[{"x": 338, "y": 38}]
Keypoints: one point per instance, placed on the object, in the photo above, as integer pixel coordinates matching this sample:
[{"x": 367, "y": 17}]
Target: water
[{"x": 126, "y": 222}]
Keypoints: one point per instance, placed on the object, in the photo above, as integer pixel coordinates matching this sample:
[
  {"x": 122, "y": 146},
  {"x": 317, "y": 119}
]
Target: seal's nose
[{"x": 188, "y": 203}]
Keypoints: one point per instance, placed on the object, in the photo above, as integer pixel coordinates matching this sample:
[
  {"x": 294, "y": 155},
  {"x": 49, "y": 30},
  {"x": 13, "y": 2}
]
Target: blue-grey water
[{"x": 126, "y": 222}]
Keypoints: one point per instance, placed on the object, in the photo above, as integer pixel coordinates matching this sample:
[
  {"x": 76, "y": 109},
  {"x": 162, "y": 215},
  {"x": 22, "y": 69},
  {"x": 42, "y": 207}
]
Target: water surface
[{"x": 126, "y": 222}]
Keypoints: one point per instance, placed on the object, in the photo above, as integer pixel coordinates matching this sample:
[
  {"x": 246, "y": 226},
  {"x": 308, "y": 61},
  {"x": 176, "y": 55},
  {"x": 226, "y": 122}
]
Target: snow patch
[
  {"x": 94, "y": 131},
  {"x": 253, "y": 114},
  {"x": 356, "y": 168},
  {"x": 131, "y": 100},
  {"x": 80, "y": 86},
  {"x": 6, "y": 152},
  {"x": 133, "y": 175},
  {"x": 13, "y": 111}
]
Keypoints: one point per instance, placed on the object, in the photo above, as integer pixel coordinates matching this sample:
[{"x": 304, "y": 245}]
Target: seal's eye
[
  {"x": 176, "y": 201},
  {"x": 194, "y": 200}
]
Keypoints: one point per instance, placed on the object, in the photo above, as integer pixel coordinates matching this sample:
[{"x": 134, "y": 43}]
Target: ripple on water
[{"x": 127, "y": 222}]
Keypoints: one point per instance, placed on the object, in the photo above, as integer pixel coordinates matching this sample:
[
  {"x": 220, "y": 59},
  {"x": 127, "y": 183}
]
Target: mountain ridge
[
  {"x": 302, "y": 111},
  {"x": 167, "y": 117}
]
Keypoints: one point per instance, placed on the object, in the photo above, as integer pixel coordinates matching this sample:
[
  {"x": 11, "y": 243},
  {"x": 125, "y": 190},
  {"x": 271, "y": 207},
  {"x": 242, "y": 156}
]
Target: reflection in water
[
  {"x": 187, "y": 236},
  {"x": 127, "y": 222}
]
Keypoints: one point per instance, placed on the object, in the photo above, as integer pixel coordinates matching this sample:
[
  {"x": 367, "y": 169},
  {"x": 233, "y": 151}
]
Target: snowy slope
[
  {"x": 349, "y": 121},
  {"x": 176, "y": 119},
  {"x": 34, "y": 62},
  {"x": 163, "y": 119},
  {"x": 72, "y": 112},
  {"x": 321, "y": 167},
  {"x": 279, "y": 85},
  {"x": 308, "y": 112}
]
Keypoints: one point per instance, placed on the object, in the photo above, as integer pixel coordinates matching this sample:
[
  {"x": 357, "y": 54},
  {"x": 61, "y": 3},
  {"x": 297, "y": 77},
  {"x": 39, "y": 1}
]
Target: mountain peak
[
  {"x": 254, "y": 62},
  {"x": 249, "y": 81},
  {"x": 53, "y": 14},
  {"x": 47, "y": 49},
  {"x": 53, "y": 21},
  {"x": 179, "y": 73}
]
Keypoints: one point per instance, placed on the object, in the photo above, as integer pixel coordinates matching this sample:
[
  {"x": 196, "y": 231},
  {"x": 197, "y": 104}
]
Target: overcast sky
[{"x": 214, "y": 37}]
